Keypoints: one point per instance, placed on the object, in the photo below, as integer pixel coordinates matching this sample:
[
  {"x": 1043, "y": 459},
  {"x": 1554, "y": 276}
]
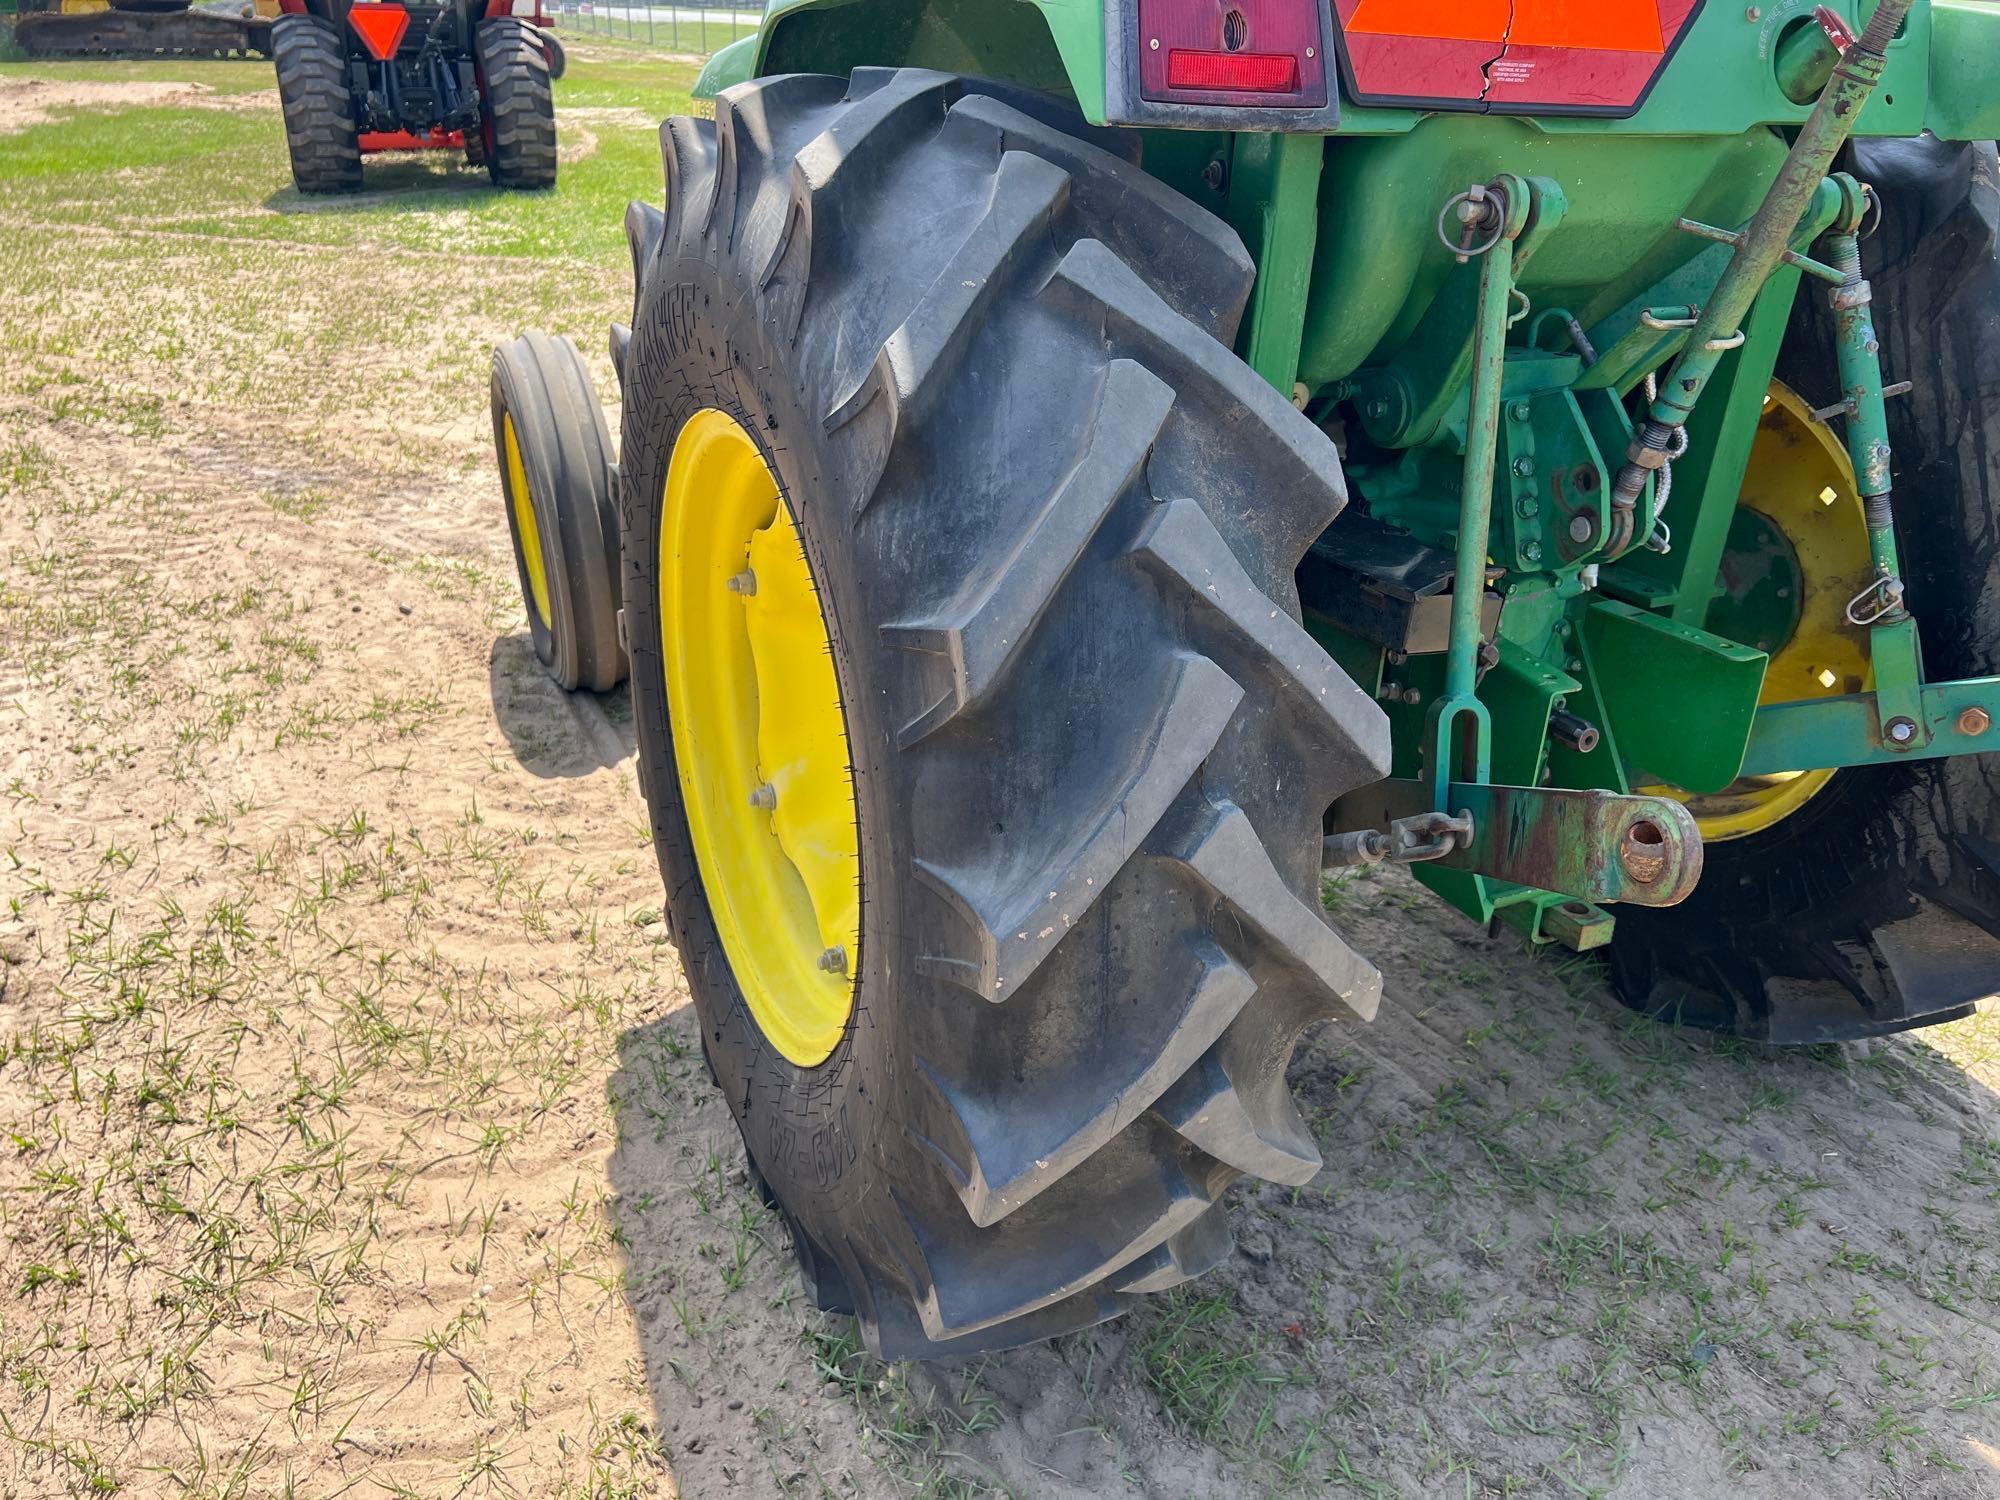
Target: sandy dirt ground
[{"x": 354, "y": 1137}]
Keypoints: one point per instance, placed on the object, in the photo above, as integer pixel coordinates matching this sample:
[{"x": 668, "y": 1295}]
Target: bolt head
[
  {"x": 764, "y": 795},
  {"x": 1582, "y": 527},
  {"x": 834, "y": 961},
  {"x": 1532, "y": 551},
  {"x": 1754, "y": 14},
  {"x": 1974, "y": 721},
  {"x": 1528, "y": 507},
  {"x": 1524, "y": 467},
  {"x": 1520, "y": 411}
]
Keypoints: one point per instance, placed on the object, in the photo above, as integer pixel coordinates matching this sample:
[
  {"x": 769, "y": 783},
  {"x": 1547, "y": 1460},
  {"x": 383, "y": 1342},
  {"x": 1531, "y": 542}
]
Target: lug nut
[
  {"x": 1974, "y": 721},
  {"x": 764, "y": 795},
  {"x": 834, "y": 961},
  {"x": 744, "y": 583}
]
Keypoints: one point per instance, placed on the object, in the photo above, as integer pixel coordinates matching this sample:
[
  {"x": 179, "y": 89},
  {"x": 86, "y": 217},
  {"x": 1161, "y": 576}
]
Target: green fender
[{"x": 1052, "y": 44}]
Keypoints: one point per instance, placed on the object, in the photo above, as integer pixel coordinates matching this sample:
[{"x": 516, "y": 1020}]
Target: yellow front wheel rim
[
  {"x": 524, "y": 521},
  {"x": 760, "y": 738},
  {"x": 1801, "y": 482}
]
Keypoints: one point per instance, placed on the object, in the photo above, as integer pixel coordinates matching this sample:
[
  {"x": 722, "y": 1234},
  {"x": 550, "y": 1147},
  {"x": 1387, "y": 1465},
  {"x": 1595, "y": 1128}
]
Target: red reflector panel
[
  {"x": 1254, "y": 72},
  {"x": 1556, "y": 56},
  {"x": 380, "y": 28},
  {"x": 1236, "y": 53}
]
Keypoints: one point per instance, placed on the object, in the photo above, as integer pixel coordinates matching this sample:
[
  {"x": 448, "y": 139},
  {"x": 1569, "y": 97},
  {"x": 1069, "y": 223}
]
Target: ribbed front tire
[
  {"x": 1053, "y": 522},
  {"x": 320, "y": 129}
]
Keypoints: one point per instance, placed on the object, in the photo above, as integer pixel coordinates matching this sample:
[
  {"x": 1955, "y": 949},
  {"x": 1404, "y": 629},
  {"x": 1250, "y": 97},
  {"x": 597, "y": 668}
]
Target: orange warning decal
[
  {"x": 1440, "y": 20},
  {"x": 1606, "y": 25},
  {"x": 1509, "y": 56}
]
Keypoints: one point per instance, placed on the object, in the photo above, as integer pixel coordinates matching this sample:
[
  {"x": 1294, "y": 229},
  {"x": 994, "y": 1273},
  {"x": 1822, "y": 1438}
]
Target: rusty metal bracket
[{"x": 1597, "y": 846}]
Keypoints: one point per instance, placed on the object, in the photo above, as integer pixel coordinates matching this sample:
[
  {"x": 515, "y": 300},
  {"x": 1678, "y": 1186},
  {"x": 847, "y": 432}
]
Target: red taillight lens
[
  {"x": 380, "y": 28},
  {"x": 1233, "y": 72},
  {"x": 1238, "y": 53}
]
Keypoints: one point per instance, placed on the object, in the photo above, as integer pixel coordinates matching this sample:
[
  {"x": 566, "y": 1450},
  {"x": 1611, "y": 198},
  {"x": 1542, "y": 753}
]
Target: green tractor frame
[{"x": 1090, "y": 466}]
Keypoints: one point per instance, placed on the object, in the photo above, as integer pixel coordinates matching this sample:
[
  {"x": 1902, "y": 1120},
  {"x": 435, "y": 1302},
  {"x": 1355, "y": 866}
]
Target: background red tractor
[{"x": 469, "y": 75}]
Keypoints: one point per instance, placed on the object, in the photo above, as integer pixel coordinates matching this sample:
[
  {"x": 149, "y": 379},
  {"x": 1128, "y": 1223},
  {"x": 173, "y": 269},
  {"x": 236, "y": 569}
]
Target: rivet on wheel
[
  {"x": 764, "y": 795},
  {"x": 744, "y": 583},
  {"x": 834, "y": 961}
]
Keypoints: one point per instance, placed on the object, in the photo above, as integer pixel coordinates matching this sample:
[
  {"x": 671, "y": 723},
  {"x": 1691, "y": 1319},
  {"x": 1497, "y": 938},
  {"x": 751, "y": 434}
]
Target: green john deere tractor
[{"x": 1088, "y": 466}]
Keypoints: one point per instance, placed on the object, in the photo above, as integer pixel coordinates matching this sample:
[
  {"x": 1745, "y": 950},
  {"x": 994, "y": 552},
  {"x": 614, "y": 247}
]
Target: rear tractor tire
[
  {"x": 934, "y": 442},
  {"x": 555, "y": 479},
  {"x": 517, "y": 104},
  {"x": 1868, "y": 902},
  {"x": 320, "y": 129}
]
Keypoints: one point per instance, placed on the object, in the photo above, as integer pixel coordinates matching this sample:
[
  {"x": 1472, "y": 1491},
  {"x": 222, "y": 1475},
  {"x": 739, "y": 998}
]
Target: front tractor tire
[
  {"x": 1873, "y": 905},
  {"x": 517, "y": 104},
  {"x": 320, "y": 129},
  {"x": 982, "y": 368},
  {"x": 554, "y": 454}
]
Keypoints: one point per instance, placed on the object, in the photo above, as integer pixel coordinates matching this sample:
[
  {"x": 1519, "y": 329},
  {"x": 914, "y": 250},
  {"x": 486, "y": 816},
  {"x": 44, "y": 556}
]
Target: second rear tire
[
  {"x": 320, "y": 129},
  {"x": 517, "y": 104}
]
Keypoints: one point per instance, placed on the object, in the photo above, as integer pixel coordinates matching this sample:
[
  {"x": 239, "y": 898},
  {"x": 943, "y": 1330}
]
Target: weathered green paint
[
  {"x": 1679, "y": 700},
  {"x": 1965, "y": 39},
  {"x": 1439, "y": 383},
  {"x": 1724, "y": 79},
  {"x": 736, "y": 63},
  {"x": 1273, "y": 202},
  {"x": 1760, "y": 585},
  {"x": 1572, "y": 841},
  {"x": 1545, "y": 917},
  {"x": 1762, "y": 246},
  {"x": 1847, "y": 731}
]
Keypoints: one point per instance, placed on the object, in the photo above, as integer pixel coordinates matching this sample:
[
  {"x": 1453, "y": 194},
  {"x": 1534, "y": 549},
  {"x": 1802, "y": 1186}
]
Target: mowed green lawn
[{"x": 223, "y": 170}]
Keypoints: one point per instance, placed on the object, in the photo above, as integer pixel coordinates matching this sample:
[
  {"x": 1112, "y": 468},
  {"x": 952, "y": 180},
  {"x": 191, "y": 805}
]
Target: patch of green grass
[{"x": 224, "y": 172}]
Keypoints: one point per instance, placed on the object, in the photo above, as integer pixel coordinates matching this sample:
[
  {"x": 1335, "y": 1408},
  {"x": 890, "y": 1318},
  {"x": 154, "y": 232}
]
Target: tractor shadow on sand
[
  {"x": 1554, "y": 1246},
  {"x": 553, "y": 734}
]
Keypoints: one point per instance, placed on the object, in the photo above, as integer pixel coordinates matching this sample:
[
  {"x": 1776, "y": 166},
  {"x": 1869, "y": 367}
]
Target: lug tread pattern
[
  {"x": 520, "y": 102},
  {"x": 1014, "y": 929},
  {"x": 1182, "y": 548},
  {"x": 982, "y": 635},
  {"x": 1080, "y": 1177},
  {"x": 320, "y": 129},
  {"x": 918, "y": 356}
]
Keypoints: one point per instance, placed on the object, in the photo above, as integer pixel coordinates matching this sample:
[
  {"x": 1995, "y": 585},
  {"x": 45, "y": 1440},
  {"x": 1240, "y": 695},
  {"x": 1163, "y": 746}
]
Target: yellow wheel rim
[
  {"x": 760, "y": 738},
  {"x": 1801, "y": 482},
  {"x": 524, "y": 520}
]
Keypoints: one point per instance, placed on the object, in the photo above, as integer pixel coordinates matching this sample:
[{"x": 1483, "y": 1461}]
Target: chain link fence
[{"x": 690, "y": 26}]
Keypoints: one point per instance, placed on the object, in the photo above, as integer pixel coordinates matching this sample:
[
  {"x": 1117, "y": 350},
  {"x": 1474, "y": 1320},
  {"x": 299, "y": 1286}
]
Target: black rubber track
[
  {"x": 566, "y": 454},
  {"x": 1055, "y": 522},
  {"x": 517, "y": 103},
  {"x": 1876, "y": 907},
  {"x": 320, "y": 129}
]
